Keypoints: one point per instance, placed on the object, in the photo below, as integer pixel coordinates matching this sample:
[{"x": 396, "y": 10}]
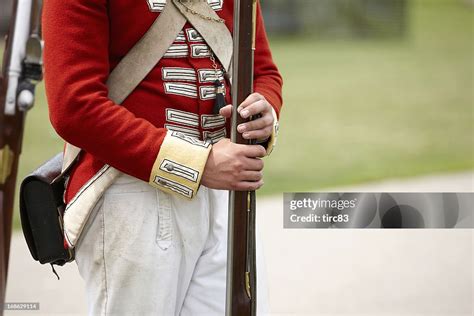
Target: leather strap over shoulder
[{"x": 141, "y": 59}]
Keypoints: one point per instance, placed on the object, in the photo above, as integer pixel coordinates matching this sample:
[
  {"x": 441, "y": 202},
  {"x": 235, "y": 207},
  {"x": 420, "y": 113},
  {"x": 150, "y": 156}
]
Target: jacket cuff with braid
[{"x": 180, "y": 164}]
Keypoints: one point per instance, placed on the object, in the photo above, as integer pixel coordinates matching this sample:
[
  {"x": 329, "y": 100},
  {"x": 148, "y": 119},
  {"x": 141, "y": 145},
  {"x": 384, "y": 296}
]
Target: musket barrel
[{"x": 18, "y": 41}]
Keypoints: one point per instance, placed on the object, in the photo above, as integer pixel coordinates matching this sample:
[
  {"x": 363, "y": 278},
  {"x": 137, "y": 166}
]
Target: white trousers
[{"x": 146, "y": 252}]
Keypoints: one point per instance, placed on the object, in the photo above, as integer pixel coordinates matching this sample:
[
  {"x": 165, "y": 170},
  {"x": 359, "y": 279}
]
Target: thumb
[{"x": 226, "y": 111}]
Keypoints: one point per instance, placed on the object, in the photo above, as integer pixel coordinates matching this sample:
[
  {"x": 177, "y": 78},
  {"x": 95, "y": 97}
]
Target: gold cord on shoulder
[{"x": 192, "y": 11}]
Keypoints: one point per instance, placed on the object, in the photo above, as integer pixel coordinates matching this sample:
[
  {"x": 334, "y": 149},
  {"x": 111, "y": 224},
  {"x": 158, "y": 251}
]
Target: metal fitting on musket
[
  {"x": 32, "y": 72},
  {"x": 6, "y": 162},
  {"x": 254, "y": 23}
]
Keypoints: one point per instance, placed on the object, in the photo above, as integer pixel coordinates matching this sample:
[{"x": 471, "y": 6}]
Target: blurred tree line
[
  {"x": 340, "y": 18},
  {"x": 320, "y": 17},
  {"x": 5, "y": 11}
]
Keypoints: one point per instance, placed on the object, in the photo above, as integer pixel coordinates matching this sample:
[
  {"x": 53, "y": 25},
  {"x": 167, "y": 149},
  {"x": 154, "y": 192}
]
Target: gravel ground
[{"x": 317, "y": 272}]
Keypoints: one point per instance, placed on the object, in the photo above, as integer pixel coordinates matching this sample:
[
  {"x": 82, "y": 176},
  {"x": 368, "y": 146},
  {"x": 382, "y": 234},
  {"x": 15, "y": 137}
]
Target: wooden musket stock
[
  {"x": 241, "y": 264},
  {"x": 21, "y": 70}
]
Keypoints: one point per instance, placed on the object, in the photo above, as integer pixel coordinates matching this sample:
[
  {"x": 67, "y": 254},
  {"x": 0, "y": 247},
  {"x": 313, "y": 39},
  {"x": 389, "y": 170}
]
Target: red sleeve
[
  {"x": 267, "y": 78},
  {"x": 76, "y": 62}
]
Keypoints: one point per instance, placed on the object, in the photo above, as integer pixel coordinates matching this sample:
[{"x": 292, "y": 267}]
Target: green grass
[{"x": 356, "y": 111}]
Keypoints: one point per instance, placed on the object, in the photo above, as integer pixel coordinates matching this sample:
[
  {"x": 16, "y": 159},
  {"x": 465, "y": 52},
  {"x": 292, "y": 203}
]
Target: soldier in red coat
[{"x": 153, "y": 240}]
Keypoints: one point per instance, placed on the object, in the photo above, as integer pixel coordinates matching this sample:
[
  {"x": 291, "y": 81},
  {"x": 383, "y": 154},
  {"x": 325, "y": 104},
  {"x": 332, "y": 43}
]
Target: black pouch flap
[{"x": 41, "y": 211}]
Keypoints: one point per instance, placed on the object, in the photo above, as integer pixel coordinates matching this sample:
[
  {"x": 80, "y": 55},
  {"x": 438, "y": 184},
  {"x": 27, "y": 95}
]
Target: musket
[
  {"x": 241, "y": 290},
  {"x": 21, "y": 71}
]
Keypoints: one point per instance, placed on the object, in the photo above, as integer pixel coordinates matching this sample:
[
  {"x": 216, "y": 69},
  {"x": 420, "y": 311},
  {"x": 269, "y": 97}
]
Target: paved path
[{"x": 318, "y": 272}]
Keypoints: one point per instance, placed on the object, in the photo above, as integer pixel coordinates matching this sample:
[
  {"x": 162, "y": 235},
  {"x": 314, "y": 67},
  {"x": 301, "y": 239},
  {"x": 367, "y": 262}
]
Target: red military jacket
[{"x": 85, "y": 40}]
